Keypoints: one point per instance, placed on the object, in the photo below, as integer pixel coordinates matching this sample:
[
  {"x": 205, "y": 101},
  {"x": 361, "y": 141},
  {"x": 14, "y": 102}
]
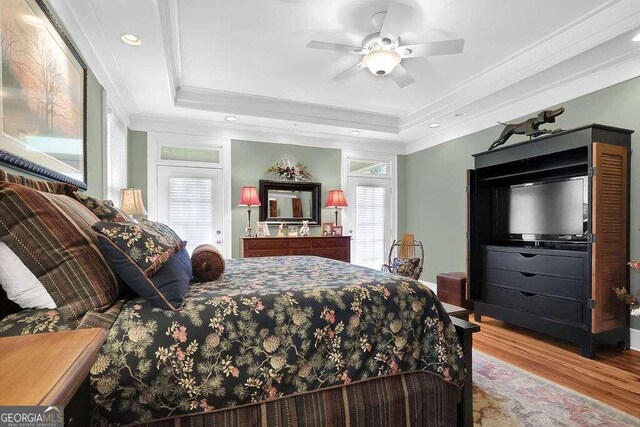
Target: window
[
  {"x": 371, "y": 225},
  {"x": 366, "y": 167},
  {"x": 190, "y": 154},
  {"x": 116, "y": 157},
  {"x": 191, "y": 209}
]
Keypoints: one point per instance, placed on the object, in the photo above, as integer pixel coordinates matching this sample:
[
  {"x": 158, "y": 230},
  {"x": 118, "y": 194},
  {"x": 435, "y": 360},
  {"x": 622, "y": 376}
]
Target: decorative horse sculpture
[{"x": 530, "y": 127}]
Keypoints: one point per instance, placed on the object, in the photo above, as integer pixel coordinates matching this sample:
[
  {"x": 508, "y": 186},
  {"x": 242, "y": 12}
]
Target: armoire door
[{"x": 610, "y": 229}]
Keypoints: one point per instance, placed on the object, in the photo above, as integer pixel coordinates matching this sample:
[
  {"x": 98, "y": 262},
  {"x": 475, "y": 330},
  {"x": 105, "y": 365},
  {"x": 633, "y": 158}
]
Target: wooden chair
[{"x": 405, "y": 262}]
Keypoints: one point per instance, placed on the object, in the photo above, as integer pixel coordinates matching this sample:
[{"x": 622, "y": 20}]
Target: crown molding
[
  {"x": 261, "y": 133},
  {"x": 616, "y": 70},
  {"x": 611, "y": 19},
  {"x": 281, "y": 109},
  {"x": 87, "y": 37},
  {"x": 169, "y": 24}
]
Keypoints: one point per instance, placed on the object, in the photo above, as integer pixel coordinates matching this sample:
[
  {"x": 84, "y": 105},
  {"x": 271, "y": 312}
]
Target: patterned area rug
[{"x": 505, "y": 395}]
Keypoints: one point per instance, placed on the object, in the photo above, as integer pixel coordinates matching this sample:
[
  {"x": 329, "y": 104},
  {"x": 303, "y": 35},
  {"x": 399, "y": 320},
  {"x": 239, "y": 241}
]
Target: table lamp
[
  {"x": 131, "y": 202},
  {"x": 336, "y": 200},
  {"x": 249, "y": 198}
]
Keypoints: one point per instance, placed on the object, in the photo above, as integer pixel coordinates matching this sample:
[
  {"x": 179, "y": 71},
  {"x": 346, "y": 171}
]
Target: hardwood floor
[{"x": 613, "y": 377}]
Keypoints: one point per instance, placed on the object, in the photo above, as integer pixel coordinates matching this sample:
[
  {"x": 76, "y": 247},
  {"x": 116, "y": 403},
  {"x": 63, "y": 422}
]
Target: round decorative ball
[{"x": 207, "y": 262}]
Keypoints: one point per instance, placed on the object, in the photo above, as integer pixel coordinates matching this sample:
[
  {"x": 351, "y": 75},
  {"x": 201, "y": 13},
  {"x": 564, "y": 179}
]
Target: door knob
[
  {"x": 218, "y": 241},
  {"x": 218, "y": 232}
]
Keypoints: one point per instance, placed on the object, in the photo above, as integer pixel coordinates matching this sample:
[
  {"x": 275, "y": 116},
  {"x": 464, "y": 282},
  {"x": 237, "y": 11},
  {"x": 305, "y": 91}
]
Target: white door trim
[
  {"x": 392, "y": 159},
  {"x": 391, "y": 177},
  {"x": 157, "y": 139}
]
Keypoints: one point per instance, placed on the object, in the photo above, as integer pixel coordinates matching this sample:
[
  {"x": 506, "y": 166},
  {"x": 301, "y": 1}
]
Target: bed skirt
[{"x": 408, "y": 399}]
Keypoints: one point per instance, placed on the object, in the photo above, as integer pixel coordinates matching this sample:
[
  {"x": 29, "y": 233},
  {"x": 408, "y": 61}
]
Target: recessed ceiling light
[
  {"x": 434, "y": 125},
  {"x": 355, "y": 132},
  {"x": 637, "y": 38},
  {"x": 462, "y": 114},
  {"x": 131, "y": 39},
  {"x": 231, "y": 118}
]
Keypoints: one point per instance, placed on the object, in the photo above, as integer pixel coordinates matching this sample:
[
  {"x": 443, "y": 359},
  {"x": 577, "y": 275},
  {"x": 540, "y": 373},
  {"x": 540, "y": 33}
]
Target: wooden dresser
[{"x": 334, "y": 247}]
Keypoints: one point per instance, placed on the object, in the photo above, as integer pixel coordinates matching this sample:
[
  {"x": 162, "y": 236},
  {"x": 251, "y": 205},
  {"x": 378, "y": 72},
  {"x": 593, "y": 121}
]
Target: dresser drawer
[
  {"x": 300, "y": 243},
  {"x": 263, "y": 244},
  {"x": 536, "y": 283},
  {"x": 251, "y": 253},
  {"x": 540, "y": 305},
  {"x": 330, "y": 242},
  {"x": 339, "y": 254},
  {"x": 551, "y": 265}
]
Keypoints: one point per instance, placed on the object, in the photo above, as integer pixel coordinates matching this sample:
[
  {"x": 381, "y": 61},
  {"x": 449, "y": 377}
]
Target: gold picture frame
[{"x": 43, "y": 95}]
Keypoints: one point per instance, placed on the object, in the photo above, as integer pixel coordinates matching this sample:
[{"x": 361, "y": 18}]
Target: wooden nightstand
[{"x": 50, "y": 369}]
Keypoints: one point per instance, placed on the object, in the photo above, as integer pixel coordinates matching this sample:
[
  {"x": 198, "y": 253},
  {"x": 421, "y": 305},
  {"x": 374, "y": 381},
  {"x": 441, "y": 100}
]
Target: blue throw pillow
[{"x": 164, "y": 289}]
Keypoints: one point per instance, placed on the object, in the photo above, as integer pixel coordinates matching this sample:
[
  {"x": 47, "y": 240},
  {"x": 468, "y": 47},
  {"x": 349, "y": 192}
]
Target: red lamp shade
[
  {"x": 336, "y": 199},
  {"x": 249, "y": 197}
]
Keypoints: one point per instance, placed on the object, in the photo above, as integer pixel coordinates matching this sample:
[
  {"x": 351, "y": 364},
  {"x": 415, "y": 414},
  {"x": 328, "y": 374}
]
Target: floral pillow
[
  {"x": 150, "y": 258},
  {"x": 103, "y": 209},
  {"x": 148, "y": 244},
  {"x": 406, "y": 266}
]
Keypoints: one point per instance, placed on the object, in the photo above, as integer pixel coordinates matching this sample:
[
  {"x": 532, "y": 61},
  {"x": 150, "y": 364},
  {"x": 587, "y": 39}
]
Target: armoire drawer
[
  {"x": 536, "y": 283},
  {"x": 551, "y": 265},
  {"x": 540, "y": 305}
]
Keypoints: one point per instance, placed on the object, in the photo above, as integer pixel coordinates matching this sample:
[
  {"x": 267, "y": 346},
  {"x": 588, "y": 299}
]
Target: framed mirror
[{"x": 289, "y": 202}]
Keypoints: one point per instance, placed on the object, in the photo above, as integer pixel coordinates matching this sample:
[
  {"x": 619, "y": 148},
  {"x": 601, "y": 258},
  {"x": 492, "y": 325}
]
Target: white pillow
[{"x": 21, "y": 286}]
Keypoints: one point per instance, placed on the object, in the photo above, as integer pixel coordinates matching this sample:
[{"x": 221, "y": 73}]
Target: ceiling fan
[{"x": 383, "y": 52}]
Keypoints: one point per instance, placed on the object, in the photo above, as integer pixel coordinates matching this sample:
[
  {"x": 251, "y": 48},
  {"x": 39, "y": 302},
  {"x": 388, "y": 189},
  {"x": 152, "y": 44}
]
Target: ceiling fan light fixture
[{"x": 381, "y": 62}]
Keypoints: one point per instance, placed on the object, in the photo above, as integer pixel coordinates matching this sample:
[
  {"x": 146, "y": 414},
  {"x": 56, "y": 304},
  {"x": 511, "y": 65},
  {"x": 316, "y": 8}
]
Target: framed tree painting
[{"x": 43, "y": 97}]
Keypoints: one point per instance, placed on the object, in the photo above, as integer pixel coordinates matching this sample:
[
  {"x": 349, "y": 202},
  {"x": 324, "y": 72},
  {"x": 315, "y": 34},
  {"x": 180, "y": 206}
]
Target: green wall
[
  {"x": 436, "y": 180},
  {"x": 250, "y": 160},
  {"x": 137, "y": 161},
  {"x": 95, "y": 138}
]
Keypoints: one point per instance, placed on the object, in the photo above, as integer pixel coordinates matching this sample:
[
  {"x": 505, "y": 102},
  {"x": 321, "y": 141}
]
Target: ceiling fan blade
[
  {"x": 401, "y": 76},
  {"x": 396, "y": 21},
  {"x": 447, "y": 47},
  {"x": 348, "y": 73},
  {"x": 333, "y": 46}
]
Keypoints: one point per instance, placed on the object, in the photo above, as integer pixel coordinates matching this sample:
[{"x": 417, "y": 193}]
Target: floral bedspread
[{"x": 269, "y": 327}]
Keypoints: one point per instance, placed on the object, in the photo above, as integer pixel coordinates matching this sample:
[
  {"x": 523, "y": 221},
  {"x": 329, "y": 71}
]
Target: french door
[
  {"x": 368, "y": 219},
  {"x": 190, "y": 201}
]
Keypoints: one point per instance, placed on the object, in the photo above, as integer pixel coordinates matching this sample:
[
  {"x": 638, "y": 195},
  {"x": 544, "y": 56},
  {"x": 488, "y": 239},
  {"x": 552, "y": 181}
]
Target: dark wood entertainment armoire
[{"x": 562, "y": 288}]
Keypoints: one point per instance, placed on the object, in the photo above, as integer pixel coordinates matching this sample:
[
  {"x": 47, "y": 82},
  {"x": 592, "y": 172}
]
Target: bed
[
  {"x": 275, "y": 330},
  {"x": 277, "y": 341}
]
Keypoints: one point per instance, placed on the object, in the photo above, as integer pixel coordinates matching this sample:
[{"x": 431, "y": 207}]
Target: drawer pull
[
  {"x": 528, "y": 255},
  {"x": 528, "y": 274},
  {"x": 527, "y": 294}
]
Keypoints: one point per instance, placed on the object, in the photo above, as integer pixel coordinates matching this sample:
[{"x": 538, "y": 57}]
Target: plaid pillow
[
  {"x": 102, "y": 208},
  {"x": 149, "y": 244},
  {"x": 52, "y": 236},
  {"x": 46, "y": 186}
]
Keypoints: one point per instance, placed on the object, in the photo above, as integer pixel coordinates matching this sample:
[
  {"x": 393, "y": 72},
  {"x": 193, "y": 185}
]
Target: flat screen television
[{"x": 543, "y": 211}]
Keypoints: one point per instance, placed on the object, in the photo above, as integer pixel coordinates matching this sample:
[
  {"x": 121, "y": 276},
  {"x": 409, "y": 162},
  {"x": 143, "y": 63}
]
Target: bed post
[{"x": 465, "y": 332}]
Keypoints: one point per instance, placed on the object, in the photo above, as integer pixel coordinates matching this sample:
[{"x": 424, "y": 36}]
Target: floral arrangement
[
  {"x": 632, "y": 300},
  {"x": 285, "y": 170}
]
